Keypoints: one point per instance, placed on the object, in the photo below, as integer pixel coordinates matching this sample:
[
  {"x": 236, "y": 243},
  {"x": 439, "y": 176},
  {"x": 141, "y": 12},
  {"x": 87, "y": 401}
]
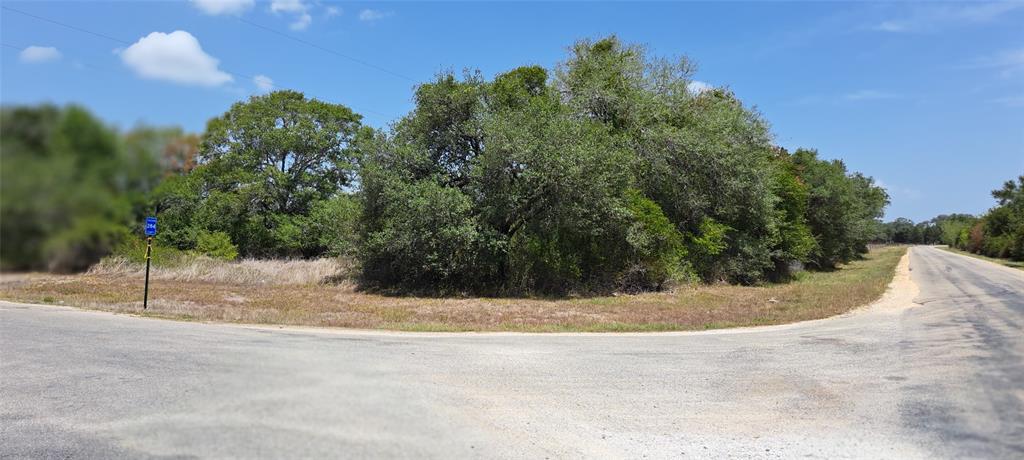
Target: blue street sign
[{"x": 150, "y": 226}]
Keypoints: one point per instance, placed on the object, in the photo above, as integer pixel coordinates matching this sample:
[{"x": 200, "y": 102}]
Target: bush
[
  {"x": 133, "y": 250},
  {"x": 216, "y": 245},
  {"x": 657, "y": 251},
  {"x": 85, "y": 243},
  {"x": 422, "y": 237}
]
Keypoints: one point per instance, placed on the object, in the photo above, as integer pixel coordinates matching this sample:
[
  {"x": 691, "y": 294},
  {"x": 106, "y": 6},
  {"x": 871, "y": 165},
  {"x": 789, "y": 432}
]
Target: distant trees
[
  {"x": 905, "y": 231},
  {"x": 997, "y": 233},
  {"x": 70, "y": 186},
  {"x": 1000, "y": 231}
]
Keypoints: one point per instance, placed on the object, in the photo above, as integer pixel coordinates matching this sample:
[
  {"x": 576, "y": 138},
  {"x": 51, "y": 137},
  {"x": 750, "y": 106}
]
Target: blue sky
[{"x": 928, "y": 98}]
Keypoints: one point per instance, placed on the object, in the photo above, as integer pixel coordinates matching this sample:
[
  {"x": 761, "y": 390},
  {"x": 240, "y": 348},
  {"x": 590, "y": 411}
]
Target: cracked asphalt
[{"x": 933, "y": 370}]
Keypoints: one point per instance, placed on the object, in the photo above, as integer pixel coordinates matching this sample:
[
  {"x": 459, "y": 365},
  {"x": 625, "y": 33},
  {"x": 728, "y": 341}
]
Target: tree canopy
[
  {"x": 268, "y": 169},
  {"x": 611, "y": 174}
]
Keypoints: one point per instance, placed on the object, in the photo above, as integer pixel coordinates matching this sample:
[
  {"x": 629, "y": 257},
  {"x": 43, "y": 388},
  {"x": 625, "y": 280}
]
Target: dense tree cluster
[
  {"x": 1000, "y": 231},
  {"x": 610, "y": 172},
  {"x": 70, "y": 186}
]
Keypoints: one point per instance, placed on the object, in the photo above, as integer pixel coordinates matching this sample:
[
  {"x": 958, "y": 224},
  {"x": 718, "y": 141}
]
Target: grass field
[
  {"x": 1006, "y": 262},
  {"x": 260, "y": 297}
]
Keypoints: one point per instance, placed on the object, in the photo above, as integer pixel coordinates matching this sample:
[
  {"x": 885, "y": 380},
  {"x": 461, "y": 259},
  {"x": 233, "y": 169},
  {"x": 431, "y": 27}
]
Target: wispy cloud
[
  {"x": 870, "y": 95},
  {"x": 218, "y": 7},
  {"x": 899, "y": 191},
  {"x": 38, "y": 54},
  {"x": 332, "y": 11},
  {"x": 263, "y": 83},
  {"x": 1010, "y": 101},
  {"x": 1006, "y": 63},
  {"x": 933, "y": 17},
  {"x": 369, "y": 15},
  {"x": 298, "y": 8}
]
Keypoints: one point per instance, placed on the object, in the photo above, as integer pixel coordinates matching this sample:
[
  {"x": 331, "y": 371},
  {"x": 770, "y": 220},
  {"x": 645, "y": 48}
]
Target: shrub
[
  {"x": 83, "y": 244},
  {"x": 133, "y": 250},
  {"x": 423, "y": 237},
  {"x": 216, "y": 245},
  {"x": 657, "y": 251}
]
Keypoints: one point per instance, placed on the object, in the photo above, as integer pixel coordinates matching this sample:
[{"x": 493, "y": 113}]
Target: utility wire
[
  {"x": 324, "y": 49},
  {"x": 125, "y": 42},
  {"x": 69, "y": 26}
]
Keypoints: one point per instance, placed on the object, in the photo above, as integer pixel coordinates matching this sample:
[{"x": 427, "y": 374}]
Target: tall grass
[{"x": 197, "y": 268}]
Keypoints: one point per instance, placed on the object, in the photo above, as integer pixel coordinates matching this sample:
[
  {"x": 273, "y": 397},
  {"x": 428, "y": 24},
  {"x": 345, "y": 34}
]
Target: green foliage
[
  {"x": 945, "y": 229},
  {"x": 330, "y": 229},
  {"x": 1000, "y": 232},
  {"x": 216, "y": 245},
  {"x": 607, "y": 174},
  {"x": 614, "y": 176},
  {"x": 133, "y": 249},
  {"x": 69, "y": 187},
  {"x": 420, "y": 235},
  {"x": 268, "y": 168},
  {"x": 656, "y": 245},
  {"x": 842, "y": 208}
]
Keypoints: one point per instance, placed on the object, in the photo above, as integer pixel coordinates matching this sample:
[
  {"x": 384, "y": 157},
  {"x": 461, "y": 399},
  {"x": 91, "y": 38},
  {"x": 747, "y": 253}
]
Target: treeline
[
  {"x": 943, "y": 229},
  {"x": 71, "y": 187},
  {"x": 610, "y": 172},
  {"x": 997, "y": 233},
  {"x": 1000, "y": 231}
]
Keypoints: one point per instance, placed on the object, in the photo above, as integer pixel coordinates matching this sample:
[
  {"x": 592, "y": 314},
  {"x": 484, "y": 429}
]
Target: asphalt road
[{"x": 942, "y": 377}]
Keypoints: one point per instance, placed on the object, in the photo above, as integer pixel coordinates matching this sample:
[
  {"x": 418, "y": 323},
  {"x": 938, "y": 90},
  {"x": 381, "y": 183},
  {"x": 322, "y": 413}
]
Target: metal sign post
[{"x": 150, "y": 232}]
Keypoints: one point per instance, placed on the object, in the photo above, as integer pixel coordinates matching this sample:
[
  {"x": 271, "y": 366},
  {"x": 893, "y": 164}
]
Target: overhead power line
[
  {"x": 69, "y": 26},
  {"x": 325, "y": 49}
]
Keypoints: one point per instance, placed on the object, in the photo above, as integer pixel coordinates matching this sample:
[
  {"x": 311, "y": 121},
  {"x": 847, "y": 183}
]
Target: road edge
[{"x": 898, "y": 296}]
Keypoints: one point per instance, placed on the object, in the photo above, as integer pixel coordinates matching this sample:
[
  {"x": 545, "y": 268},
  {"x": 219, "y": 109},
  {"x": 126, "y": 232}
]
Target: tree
[
  {"x": 843, "y": 209},
  {"x": 62, "y": 188},
  {"x": 264, "y": 167}
]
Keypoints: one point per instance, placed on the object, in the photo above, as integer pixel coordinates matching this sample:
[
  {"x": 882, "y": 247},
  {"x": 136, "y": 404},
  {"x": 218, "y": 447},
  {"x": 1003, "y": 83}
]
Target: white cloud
[
  {"x": 369, "y": 15},
  {"x": 176, "y": 57},
  {"x": 36, "y": 54},
  {"x": 295, "y": 7},
  {"x": 870, "y": 94},
  {"x": 217, "y": 7},
  {"x": 263, "y": 83},
  {"x": 900, "y": 192},
  {"x": 932, "y": 17},
  {"x": 333, "y": 11},
  {"x": 696, "y": 87}
]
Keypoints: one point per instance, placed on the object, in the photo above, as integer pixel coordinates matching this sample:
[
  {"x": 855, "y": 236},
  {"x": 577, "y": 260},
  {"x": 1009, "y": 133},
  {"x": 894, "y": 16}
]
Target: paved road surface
[{"x": 943, "y": 378}]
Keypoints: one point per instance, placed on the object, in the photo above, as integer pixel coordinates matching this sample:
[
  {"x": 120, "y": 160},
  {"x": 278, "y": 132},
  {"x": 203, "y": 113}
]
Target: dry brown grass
[
  {"x": 220, "y": 294},
  {"x": 250, "y": 271}
]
